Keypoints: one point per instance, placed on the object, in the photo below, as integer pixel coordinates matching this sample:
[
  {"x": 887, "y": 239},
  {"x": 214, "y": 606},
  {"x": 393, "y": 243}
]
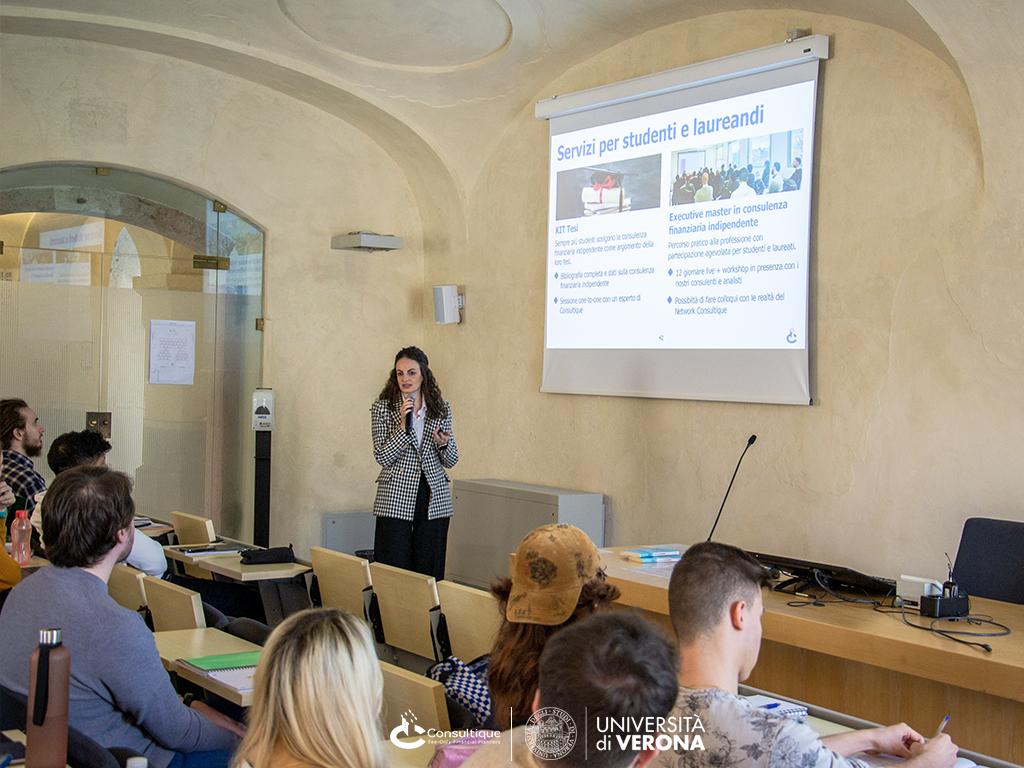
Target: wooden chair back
[
  {"x": 344, "y": 580},
  {"x": 470, "y": 617},
  {"x": 406, "y": 691},
  {"x": 408, "y": 608},
  {"x": 193, "y": 529},
  {"x": 173, "y": 607},
  {"x": 125, "y": 586}
]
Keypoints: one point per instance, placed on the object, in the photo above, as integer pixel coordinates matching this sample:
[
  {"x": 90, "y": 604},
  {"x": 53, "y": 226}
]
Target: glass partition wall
[{"x": 100, "y": 314}]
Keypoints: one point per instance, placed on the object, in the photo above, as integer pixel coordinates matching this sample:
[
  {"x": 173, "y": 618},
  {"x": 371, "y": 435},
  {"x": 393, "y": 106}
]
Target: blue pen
[
  {"x": 942, "y": 727},
  {"x": 773, "y": 705},
  {"x": 6, "y": 761}
]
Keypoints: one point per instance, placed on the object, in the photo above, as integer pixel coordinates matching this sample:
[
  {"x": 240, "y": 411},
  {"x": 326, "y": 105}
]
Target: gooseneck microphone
[{"x": 750, "y": 442}]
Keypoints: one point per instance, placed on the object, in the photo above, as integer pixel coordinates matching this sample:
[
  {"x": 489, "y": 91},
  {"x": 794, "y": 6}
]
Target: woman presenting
[{"x": 414, "y": 444}]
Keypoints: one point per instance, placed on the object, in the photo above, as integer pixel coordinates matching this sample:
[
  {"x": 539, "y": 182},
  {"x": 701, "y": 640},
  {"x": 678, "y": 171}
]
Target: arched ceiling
[
  {"x": 430, "y": 63},
  {"x": 426, "y": 78}
]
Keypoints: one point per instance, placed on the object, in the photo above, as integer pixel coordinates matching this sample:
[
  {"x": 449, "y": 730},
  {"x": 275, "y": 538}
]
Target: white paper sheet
[
  {"x": 172, "y": 351},
  {"x": 240, "y": 679}
]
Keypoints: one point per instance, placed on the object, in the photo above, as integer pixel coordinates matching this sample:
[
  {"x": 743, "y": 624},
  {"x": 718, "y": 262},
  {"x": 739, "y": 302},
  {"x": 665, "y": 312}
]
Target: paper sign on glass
[{"x": 172, "y": 351}]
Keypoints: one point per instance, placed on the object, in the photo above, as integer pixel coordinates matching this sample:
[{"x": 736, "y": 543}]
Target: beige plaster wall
[
  {"x": 915, "y": 414},
  {"x": 296, "y": 171},
  {"x": 917, "y": 358}
]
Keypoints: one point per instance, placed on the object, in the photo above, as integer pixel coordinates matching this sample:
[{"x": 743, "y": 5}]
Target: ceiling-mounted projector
[{"x": 366, "y": 241}]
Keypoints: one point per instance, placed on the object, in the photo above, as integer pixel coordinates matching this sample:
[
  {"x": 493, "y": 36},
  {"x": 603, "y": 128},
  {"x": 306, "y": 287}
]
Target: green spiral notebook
[{"x": 222, "y": 661}]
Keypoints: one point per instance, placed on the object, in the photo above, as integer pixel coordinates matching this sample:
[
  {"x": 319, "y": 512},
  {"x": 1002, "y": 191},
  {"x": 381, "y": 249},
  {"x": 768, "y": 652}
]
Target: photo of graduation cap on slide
[
  {"x": 759, "y": 165},
  {"x": 608, "y": 188}
]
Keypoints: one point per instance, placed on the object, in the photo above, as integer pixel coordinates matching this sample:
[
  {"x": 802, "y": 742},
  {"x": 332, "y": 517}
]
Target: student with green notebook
[{"x": 121, "y": 696}]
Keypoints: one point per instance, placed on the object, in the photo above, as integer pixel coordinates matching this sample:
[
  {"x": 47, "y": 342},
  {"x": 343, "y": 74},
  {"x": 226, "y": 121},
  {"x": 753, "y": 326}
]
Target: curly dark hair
[
  {"x": 431, "y": 391},
  {"x": 74, "y": 448},
  {"x": 11, "y": 418},
  {"x": 512, "y": 671}
]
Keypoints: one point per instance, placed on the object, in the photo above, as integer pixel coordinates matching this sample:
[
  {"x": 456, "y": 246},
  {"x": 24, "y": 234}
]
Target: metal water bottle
[{"x": 49, "y": 674}]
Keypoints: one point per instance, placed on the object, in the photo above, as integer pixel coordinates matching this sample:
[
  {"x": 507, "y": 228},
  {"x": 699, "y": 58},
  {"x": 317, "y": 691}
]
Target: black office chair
[
  {"x": 83, "y": 752},
  {"x": 990, "y": 560}
]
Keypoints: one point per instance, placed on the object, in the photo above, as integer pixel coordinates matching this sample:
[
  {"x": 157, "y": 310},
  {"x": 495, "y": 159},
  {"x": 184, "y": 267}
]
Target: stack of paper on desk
[{"x": 233, "y": 669}]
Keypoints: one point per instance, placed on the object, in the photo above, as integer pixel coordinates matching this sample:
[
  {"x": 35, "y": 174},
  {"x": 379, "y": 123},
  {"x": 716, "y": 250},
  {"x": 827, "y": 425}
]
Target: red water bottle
[
  {"x": 21, "y": 538},
  {"x": 49, "y": 674}
]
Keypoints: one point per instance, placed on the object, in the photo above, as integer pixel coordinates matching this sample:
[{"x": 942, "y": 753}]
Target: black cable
[
  {"x": 881, "y": 607},
  {"x": 811, "y": 600},
  {"x": 950, "y": 634},
  {"x": 820, "y": 579}
]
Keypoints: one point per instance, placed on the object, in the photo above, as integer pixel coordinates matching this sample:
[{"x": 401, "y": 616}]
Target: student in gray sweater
[{"x": 120, "y": 694}]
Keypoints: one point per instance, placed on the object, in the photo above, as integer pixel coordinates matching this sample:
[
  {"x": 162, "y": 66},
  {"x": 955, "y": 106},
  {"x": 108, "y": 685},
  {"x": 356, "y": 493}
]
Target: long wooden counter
[{"x": 850, "y": 658}]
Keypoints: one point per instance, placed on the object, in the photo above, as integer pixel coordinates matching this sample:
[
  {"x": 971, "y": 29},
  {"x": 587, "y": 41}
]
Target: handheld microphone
[
  {"x": 408, "y": 416},
  {"x": 750, "y": 442}
]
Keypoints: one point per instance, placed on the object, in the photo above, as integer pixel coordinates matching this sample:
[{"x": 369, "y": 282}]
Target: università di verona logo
[{"x": 551, "y": 733}]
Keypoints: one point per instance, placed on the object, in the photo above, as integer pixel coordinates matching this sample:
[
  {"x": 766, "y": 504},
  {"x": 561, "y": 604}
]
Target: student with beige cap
[{"x": 556, "y": 580}]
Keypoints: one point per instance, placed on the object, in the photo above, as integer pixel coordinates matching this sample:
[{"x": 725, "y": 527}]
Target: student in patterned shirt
[
  {"x": 21, "y": 436},
  {"x": 715, "y": 605}
]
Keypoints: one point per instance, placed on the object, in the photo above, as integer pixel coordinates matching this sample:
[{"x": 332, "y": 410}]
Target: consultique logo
[
  {"x": 401, "y": 735},
  {"x": 407, "y": 727}
]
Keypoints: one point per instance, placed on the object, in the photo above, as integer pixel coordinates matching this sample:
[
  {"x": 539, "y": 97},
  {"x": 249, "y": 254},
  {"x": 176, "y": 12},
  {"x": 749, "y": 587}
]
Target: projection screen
[{"x": 679, "y": 220}]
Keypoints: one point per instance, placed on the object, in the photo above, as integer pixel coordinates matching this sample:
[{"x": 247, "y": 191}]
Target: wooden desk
[
  {"x": 156, "y": 530},
  {"x": 178, "y": 644},
  {"x": 230, "y": 566},
  {"x": 280, "y": 592},
  {"x": 174, "y": 644},
  {"x": 178, "y": 552},
  {"x": 852, "y": 659}
]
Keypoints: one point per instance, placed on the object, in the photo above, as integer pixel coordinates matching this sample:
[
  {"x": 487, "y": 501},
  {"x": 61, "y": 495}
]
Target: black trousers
[{"x": 420, "y": 545}]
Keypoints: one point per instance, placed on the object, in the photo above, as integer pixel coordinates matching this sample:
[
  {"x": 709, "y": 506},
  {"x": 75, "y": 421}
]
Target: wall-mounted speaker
[{"x": 447, "y": 303}]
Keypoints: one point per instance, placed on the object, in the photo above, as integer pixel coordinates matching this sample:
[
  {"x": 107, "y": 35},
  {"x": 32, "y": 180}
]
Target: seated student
[
  {"x": 86, "y": 448},
  {"x": 611, "y": 665},
  {"x": 318, "y": 696},
  {"x": 556, "y": 581},
  {"x": 715, "y": 605},
  {"x": 21, "y": 437},
  {"x": 120, "y": 693}
]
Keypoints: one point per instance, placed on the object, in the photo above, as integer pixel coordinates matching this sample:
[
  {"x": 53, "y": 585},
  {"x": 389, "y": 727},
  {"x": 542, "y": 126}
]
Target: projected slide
[{"x": 684, "y": 229}]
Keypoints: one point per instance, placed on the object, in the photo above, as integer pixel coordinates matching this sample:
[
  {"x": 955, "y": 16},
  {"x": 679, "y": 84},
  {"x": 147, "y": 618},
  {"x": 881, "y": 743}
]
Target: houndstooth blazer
[{"x": 401, "y": 462}]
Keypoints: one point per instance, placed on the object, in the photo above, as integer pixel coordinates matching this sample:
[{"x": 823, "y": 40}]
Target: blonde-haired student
[{"x": 317, "y": 696}]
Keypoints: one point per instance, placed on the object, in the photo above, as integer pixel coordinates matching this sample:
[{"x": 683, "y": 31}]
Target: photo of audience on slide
[
  {"x": 626, "y": 185},
  {"x": 761, "y": 165}
]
